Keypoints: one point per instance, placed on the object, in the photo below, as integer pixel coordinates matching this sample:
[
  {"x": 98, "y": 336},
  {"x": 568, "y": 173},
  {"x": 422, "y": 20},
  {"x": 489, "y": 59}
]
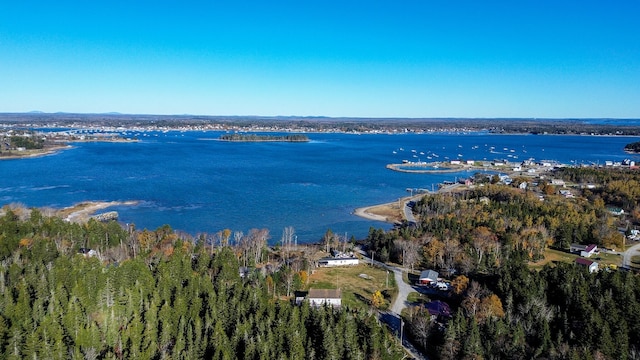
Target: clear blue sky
[{"x": 423, "y": 58}]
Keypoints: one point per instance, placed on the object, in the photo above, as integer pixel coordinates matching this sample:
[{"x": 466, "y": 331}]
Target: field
[
  {"x": 553, "y": 255},
  {"x": 358, "y": 283}
]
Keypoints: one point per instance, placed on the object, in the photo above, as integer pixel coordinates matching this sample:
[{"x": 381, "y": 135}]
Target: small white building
[
  {"x": 321, "y": 297},
  {"x": 338, "y": 261}
]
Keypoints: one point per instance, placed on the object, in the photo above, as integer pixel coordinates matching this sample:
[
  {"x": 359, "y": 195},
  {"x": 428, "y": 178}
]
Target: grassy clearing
[
  {"x": 358, "y": 283},
  {"x": 553, "y": 256},
  {"x": 417, "y": 298}
]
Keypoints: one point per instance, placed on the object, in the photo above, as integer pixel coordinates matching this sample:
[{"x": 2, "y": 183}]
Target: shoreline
[
  {"x": 365, "y": 213},
  {"x": 40, "y": 153},
  {"x": 82, "y": 212}
]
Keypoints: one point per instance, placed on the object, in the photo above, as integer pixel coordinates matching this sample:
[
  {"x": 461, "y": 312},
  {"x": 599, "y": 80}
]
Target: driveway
[
  {"x": 632, "y": 251},
  {"x": 404, "y": 290}
]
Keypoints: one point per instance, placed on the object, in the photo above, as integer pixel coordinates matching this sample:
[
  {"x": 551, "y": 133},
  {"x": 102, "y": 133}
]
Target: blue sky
[{"x": 424, "y": 58}]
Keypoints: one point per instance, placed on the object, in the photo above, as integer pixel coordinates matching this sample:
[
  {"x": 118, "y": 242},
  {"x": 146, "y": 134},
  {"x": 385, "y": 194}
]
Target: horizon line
[{"x": 35, "y": 112}]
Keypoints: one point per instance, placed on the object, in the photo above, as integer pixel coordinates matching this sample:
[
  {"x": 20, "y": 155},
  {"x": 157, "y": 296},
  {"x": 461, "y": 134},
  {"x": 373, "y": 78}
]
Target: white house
[
  {"x": 320, "y": 297},
  {"x": 583, "y": 250},
  {"x": 338, "y": 261},
  {"x": 590, "y": 264},
  {"x": 427, "y": 277}
]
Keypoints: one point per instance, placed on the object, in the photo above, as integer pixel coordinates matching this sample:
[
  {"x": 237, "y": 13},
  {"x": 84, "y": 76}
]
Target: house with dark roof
[
  {"x": 427, "y": 277},
  {"x": 438, "y": 308},
  {"x": 583, "y": 250},
  {"x": 591, "y": 265}
]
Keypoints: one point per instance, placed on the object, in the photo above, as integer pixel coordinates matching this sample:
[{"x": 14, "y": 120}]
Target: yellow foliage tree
[
  {"x": 459, "y": 284},
  {"x": 304, "y": 277},
  {"x": 377, "y": 299},
  {"x": 25, "y": 242},
  {"x": 269, "y": 282},
  {"x": 490, "y": 306}
]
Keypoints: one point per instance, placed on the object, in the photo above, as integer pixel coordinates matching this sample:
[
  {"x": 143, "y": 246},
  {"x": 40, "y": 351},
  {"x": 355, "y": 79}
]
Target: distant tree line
[
  {"x": 518, "y": 125},
  {"x": 28, "y": 141},
  {"x": 633, "y": 147}
]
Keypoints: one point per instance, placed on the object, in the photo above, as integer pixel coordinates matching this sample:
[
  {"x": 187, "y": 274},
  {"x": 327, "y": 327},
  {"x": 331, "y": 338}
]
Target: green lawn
[
  {"x": 417, "y": 298},
  {"x": 358, "y": 283}
]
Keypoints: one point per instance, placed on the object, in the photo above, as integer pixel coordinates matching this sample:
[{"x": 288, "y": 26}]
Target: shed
[{"x": 427, "y": 277}]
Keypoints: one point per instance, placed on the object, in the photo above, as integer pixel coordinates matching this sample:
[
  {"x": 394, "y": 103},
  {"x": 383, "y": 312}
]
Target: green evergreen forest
[
  {"x": 633, "y": 147},
  {"x": 166, "y": 298}
]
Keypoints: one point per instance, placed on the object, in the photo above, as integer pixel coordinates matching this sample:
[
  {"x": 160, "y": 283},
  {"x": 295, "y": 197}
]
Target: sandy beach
[
  {"x": 369, "y": 213},
  {"x": 391, "y": 212}
]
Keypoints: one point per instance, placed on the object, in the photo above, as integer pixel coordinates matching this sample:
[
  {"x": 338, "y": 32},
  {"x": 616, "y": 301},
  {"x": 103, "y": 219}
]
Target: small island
[
  {"x": 262, "y": 138},
  {"x": 633, "y": 147}
]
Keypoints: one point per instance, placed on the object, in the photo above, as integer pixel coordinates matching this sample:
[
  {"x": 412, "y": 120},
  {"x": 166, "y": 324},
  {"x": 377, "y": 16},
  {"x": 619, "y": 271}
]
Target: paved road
[
  {"x": 632, "y": 251},
  {"x": 404, "y": 290},
  {"x": 392, "y": 317},
  {"x": 408, "y": 212}
]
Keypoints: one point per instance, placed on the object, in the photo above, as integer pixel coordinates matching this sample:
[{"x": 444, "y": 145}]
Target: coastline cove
[{"x": 200, "y": 186}]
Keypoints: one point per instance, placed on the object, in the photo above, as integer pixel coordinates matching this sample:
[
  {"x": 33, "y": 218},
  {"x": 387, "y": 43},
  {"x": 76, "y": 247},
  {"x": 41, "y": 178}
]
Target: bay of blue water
[{"x": 197, "y": 184}]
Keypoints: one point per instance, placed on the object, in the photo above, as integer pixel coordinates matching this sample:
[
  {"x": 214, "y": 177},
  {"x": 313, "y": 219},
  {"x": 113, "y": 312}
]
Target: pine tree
[{"x": 472, "y": 345}]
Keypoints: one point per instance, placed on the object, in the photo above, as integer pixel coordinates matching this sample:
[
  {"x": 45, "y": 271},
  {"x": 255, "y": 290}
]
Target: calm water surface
[{"x": 198, "y": 184}]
